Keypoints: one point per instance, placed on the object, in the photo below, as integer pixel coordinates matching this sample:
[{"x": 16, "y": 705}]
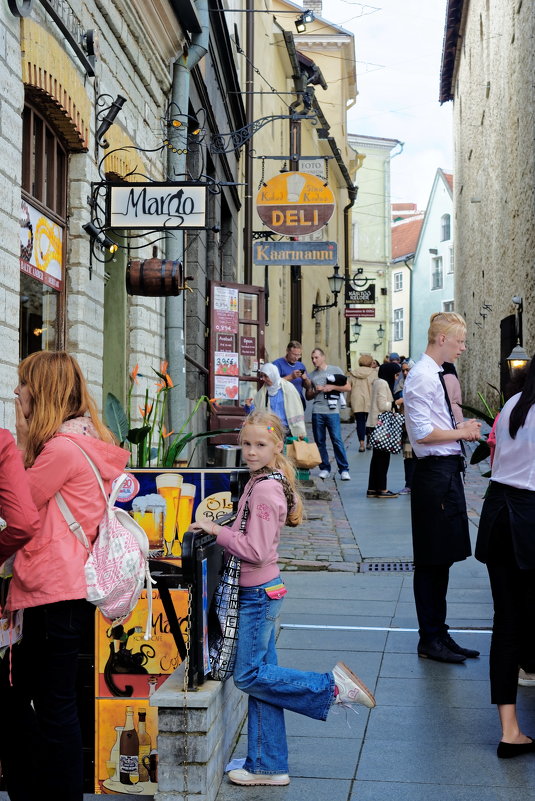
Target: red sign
[
  {"x": 225, "y": 342},
  {"x": 359, "y": 312},
  {"x": 248, "y": 346}
]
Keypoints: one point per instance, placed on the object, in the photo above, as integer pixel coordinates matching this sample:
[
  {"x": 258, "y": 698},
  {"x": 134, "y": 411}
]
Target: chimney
[{"x": 313, "y": 5}]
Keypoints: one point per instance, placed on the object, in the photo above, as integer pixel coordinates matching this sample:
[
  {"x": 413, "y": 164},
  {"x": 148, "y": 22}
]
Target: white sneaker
[
  {"x": 323, "y": 474},
  {"x": 526, "y": 679},
  {"x": 344, "y": 475},
  {"x": 242, "y": 776},
  {"x": 351, "y": 689}
]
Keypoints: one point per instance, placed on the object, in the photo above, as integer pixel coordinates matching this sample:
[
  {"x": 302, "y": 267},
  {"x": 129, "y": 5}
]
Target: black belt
[{"x": 445, "y": 456}]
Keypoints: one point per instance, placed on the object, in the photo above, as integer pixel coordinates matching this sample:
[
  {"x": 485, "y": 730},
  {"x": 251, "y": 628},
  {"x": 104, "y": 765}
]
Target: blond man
[{"x": 438, "y": 507}]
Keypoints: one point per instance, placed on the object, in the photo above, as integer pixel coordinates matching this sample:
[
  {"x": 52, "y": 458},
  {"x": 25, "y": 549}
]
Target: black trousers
[
  {"x": 379, "y": 464},
  {"x": 41, "y": 744},
  {"x": 430, "y": 590},
  {"x": 513, "y": 632}
]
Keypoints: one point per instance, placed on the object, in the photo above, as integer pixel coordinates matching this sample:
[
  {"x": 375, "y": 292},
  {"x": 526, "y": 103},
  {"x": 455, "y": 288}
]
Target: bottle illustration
[
  {"x": 129, "y": 750},
  {"x": 115, "y": 751},
  {"x": 144, "y": 746}
]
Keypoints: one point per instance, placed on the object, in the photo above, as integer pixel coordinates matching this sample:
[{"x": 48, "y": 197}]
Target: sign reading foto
[
  {"x": 295, "y": 253},
  {"x": 157, "y": 205}
]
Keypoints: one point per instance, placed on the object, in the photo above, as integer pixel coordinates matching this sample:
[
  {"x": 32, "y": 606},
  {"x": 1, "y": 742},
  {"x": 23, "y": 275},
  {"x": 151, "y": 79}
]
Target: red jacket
[
  {"x": 50, "y": 567},
  {"x": 16, "y": 504}
]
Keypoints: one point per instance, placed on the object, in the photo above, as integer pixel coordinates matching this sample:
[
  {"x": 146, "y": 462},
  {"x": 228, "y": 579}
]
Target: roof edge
[{"x": 454, "y": 13}]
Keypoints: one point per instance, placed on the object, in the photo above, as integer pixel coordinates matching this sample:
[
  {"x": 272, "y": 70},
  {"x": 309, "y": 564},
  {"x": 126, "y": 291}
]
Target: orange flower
[
  {"x": 163, "y": 367},
  {"x": 145, "y": 411},
  {"x": 133, "y": 374},
  {"x": 167, "y": 383},
  {"x": 165, "y": 433}
]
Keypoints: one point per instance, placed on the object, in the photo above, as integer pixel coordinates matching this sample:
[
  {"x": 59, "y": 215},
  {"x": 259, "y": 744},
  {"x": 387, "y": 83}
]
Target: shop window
[{"x": 42, "y": 235}]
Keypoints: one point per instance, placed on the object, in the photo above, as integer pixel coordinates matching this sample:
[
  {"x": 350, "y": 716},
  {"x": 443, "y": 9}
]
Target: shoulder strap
[
  {"x": 74, "y": 526},
  {"x": 246, "y": 511},
  {"x": 93, "y": 467}
]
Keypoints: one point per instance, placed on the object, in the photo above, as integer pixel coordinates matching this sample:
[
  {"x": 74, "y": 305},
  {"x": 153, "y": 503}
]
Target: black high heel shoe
[{"x": 509, "y": 750}]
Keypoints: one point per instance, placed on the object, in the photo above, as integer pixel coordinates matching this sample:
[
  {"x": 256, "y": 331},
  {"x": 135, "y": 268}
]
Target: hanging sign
[
  {"x": 366, "y": 311},
  {"x": 295, "y": 253},
  {"x": 157, "y": 205},
  {"x": 295, "y": 203},
  {"x": 360, "y": 295}
]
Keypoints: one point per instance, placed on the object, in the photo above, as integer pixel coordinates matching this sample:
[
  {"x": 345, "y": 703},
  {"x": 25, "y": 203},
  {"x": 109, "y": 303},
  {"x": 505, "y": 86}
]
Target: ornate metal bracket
[{"x": 226, "y": 142}]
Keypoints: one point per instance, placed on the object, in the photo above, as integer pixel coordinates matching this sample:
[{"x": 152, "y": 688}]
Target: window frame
[
  {"x": 398, "y": 279},
  {"x": 398, "y": 324},
  {"x": 445, "y": 228},
  {"x": 435, "y": 262}
]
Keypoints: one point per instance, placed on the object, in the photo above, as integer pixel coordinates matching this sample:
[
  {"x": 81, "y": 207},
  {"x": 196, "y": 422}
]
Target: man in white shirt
[{"x": 438, "y": 507}]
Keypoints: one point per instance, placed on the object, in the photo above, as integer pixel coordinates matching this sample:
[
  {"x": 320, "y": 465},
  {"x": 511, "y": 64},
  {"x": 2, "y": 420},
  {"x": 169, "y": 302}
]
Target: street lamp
[
  {"x": 336, "y": 282},
  {"x": 517, "y": 360},
  {"x": 357, "y": 328},
  {"x": 380, "y": 333},
  {"x": 305, "y": 19}
]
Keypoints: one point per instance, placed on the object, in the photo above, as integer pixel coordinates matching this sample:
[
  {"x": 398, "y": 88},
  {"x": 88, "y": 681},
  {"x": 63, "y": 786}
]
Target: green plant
[
  {"x": 488, "y": 415},
  {"x": 153, "y": 443}
]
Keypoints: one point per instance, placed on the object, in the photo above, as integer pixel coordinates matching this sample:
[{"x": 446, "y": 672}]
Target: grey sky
[{"x": 398, "y": 50}]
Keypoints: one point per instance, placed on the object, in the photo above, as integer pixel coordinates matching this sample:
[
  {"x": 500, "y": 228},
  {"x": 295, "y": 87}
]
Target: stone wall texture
[{"x": 494, "y": 180}]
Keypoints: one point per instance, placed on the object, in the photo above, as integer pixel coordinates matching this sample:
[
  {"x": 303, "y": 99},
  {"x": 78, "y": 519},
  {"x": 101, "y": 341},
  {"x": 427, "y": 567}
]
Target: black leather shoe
[
  {"x": 508, "y": 750},
  {"x": 450, "y": 643},
  {"x": 436, "y": 649}
]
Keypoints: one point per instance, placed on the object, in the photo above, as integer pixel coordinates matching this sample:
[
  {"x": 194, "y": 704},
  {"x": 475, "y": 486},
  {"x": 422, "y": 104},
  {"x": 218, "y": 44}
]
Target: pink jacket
[
  {"x": 50, "y": 567},
  {"x": 257, "y": 546},
  {"x": 16, "y": 505}
]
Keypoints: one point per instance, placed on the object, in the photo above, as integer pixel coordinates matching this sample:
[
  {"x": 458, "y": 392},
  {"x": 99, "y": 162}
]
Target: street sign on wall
[
  {"x": 295, "y": 203},
  {"x": 294, "y": 253}
]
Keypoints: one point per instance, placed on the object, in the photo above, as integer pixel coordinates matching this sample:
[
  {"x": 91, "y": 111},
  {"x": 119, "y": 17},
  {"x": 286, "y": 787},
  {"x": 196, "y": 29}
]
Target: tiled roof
[
  {"x": 405, "y": 237},
  {"x": 449, "y": 178}
]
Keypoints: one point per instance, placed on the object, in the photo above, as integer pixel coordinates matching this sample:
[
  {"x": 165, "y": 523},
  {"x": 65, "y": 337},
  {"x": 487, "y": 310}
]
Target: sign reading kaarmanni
[
  {"x": 294, "y": 253},
  {"x": 157, "y": 205}
]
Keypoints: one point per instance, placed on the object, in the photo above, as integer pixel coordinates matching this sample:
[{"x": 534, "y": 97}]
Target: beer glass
[
  {"x": 185, "y": 510},
  {"x": 149, "y": 512},
  {"x": 169, "y": 487}
]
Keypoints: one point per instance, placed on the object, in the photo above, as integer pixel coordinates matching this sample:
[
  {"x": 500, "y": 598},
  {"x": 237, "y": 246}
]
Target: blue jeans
[
  {"x": 271, "y": 688},
  {"x": 321, "y": 423}
]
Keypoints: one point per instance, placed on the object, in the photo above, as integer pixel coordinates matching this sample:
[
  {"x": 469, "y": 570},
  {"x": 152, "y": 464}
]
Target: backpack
[{"x": 116, "y": 569}]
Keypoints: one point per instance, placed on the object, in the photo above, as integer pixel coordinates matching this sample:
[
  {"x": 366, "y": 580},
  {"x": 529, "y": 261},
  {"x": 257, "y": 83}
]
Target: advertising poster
[
  {"x": 226, "y": 363},
  {"x": 41, "y": 247},
  {"x": 165, "y": 502},
  {"x": 129, "y": 669},
  {"x": 225, "y": 313},
  {"x": 226, "y": 387}
]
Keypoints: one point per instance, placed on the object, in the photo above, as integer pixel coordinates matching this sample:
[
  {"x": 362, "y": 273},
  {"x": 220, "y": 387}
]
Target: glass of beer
[
  {"x": 149, "y": 512},
  {"x": 185, "y": 510},
  {"x": 169, "y": 487}
]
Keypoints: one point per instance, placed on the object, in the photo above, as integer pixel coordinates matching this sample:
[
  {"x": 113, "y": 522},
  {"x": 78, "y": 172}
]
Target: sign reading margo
[
  {"x": 295, "y": 203},
  {"x": 157, "y": 205}
]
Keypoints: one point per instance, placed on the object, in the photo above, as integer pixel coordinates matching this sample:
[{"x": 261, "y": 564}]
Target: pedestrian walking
[
  {"x": 292, "y": 369},
  {"x": 438, "y": 508},
  {"x": 382, "y": 400},
  {"x": 272, "y": 501},
  {"x": 361, "y": 379},
  {"x": 506, "y": 544},
  {"x": 41, "y": 741},
  {"x": 326, "y": 416},
  {"x": 280, "y": 397}
]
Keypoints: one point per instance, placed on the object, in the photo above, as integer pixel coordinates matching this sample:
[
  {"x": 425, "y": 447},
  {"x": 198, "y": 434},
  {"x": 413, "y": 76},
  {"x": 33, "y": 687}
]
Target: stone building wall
[{"x": 494, "y": 190}]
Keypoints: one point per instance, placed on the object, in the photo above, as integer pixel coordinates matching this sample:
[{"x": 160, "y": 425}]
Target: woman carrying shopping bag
[
  {"x": 382, "y": 401},
  {"x": 271, "y": 504},
  {"x": 41, "y": 748}
]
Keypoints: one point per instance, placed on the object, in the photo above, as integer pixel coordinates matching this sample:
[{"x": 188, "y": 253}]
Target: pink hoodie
[
  {"x": 50, "y": 567},
  {"x": 257, "y": 546}
]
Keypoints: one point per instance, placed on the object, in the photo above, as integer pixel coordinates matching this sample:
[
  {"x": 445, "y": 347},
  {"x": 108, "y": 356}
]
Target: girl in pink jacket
[
  {"x": 41, "y": 748},
  {"x": 272, "y": 501}
]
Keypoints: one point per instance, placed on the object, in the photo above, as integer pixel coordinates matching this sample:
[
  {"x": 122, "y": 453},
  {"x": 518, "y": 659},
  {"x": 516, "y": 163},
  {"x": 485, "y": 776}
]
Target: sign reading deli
[
  {"x": 294, "y": 253},
  {"x": 157, "y": 205},
  {"x": 295, "y": 203}
]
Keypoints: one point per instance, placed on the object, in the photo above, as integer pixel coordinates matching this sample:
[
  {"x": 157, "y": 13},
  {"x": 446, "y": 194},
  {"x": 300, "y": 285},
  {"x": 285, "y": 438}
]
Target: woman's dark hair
[
  {"x": 524, "y": 403},
  {"x": 388, "y": 372},
  {"x": 449, "y": 369}
]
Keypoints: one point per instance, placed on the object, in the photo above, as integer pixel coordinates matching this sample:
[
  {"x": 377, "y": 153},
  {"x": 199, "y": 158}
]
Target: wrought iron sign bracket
[{"x": 232, "y": 140}]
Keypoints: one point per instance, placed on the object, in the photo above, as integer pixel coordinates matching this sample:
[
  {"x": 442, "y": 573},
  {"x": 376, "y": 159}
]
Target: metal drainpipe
[
  {"x": 352, "y": 192},
  {"x": 174, "y": 250}
]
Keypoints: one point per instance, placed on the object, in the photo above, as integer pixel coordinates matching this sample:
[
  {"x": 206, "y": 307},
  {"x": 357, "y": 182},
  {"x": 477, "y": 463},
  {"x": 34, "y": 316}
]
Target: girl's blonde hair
[
  {"x": 58, "y": 392},
  {"x": 445, "y": 323},
  {"x": 273, "y": 425}
]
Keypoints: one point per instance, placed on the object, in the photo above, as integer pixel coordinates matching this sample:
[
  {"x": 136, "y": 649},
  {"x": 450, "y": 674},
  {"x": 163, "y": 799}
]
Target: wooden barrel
[{"x": 154, "y": 277}]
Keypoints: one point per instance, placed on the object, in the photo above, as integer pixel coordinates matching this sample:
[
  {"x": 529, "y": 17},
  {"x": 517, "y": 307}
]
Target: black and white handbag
[{"x": 387, "y": 434}]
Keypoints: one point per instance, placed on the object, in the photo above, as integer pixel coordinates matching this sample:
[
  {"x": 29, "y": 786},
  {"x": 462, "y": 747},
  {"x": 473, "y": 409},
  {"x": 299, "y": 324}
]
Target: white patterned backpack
[{"x": 117, "y": 567}]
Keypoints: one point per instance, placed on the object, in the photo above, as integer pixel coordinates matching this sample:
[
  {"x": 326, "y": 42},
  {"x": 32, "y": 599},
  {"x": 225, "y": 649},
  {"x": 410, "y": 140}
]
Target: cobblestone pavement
[{"x": 326, "y": 541}]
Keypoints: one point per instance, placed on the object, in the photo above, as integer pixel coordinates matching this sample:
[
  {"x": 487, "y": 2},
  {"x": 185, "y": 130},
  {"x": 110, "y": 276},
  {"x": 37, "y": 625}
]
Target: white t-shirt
[{"x": 514, "y": 459}]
